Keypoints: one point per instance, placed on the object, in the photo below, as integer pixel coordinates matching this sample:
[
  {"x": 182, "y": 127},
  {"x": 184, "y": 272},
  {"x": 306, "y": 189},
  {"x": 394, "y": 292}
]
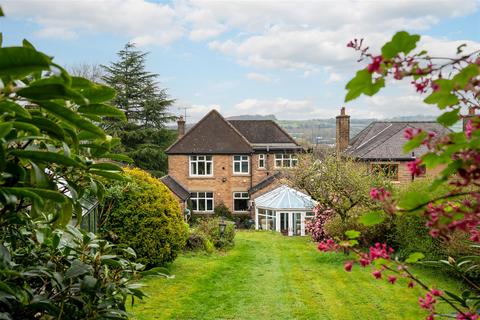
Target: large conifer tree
[{"x": 144, "y": 137}]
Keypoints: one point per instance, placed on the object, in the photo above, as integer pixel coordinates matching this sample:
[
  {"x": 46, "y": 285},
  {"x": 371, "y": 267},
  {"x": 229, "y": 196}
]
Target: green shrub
[
  {"x": 221, "y": 210},
  {"x": 198, "y": 241},
  {"x": 211, "y": 228},
  {"x": 143, "y": 214}
]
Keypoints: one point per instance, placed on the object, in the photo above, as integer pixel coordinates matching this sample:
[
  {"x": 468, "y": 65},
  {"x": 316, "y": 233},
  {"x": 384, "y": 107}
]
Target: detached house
[
  {"x": 380, "y": 145},
  {"x": 227, "y": 161}
]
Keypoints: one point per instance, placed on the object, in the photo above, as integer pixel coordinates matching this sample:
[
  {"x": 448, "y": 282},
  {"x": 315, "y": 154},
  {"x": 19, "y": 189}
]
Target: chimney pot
[
  {"x": 342, "y": 131},
  {"x": 181, "y": 126}
]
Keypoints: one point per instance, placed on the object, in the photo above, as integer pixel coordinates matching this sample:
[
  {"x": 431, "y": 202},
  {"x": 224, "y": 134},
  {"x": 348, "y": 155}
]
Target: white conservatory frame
[{"x": 292, "y": 210}]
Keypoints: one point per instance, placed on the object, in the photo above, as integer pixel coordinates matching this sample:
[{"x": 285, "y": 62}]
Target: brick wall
[
  {"x": 404, "y": 175},
  {"x": 224, "y": 182}
]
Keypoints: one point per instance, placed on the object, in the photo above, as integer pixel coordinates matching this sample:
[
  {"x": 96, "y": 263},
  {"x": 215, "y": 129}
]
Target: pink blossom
[
  {"x": 436, "y": 292},
  {"x": 415, "y": 167},
  {"x": 469, "y": 129},
  {"x": 375, "y": 65},
  {"x": 377, "y": 274},
  {"x": 428, "y": 302},
  {"x": 348, "y": 266},
  {"x": 392, "y": 279},
  {"x": 364, "y": 262},
  {"x": 467, "y": 316},
  {"x": 411, "y": 284}
]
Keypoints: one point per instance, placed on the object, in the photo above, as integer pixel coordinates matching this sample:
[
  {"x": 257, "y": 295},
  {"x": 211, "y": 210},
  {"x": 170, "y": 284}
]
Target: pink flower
[
  {"x": 392, "y": 279},
  {"x": 348, "y": 266},
  {"x": 411, "y": 284},
  {"x": 428, "y": 302},
  {"x": 467, "y": 316},
  {"x": 469, "y": 129},
  {"x": 374, "y": 194},
  {"x": 408, "y": 134},
  {"x": 377, "y": 274},
  {"x": 364, "y": 262},
  {"x": 436, "y": 292},
  {"x": 415, "y": 167},
  {"x": 430, "y": 317},
  {"x": 435, "y": 86},
  {"x": 375, "y": 65}
]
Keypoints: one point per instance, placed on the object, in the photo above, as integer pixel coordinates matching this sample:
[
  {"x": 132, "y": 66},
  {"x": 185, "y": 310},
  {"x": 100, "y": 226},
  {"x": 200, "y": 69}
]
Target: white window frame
[
  {"x": 243, "y": 158},
  {"x": 291, "y": 158},
  {"x": 240, "y": 195},
  {"x": 262, "y": 157},
  {"x": 195, "y": 196},
  {"x": 194, "y": 160}
]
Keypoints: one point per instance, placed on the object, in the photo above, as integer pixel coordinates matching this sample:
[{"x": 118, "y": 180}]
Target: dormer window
[
  {"x": 201, "y": 166},
  {"x": 241, "y": 164}
]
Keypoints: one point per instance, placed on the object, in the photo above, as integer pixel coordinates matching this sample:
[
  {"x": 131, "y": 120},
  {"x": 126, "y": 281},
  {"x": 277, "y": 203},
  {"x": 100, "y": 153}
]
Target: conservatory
[{"x": 285, "y": 210}]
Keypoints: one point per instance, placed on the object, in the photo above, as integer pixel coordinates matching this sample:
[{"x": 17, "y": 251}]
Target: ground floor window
[
  {"x": 266, "y": 219},
  {"x": 202, "y": 201},
  {"x": 240, "y": 201},
  {"x": 389, "y": 170}
]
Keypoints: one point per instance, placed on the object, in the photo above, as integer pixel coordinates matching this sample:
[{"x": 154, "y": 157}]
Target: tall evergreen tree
[{"x": 144, "y": 136}]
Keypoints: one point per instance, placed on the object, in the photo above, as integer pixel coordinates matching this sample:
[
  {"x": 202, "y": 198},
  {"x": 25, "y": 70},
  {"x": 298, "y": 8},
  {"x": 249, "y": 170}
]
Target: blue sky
[{"x": 287, "y": 58}]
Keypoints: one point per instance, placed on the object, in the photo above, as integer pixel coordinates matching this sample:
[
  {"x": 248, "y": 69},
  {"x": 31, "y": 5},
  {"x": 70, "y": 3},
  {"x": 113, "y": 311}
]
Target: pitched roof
[
  {"x": 264, "y": 183},
  {"x": 262, "y": 131},
  {"x": 175, "y": 187},
  {"x": 211, "y": 135},
  {"x": 215, "y": 135},
  {"x": 385, "y": 140}
]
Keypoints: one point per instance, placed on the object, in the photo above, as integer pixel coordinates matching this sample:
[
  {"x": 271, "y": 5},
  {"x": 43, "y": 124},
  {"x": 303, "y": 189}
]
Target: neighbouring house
[
  {"x": 228, "y": 161},
  {"x": 380, "y": 145}
]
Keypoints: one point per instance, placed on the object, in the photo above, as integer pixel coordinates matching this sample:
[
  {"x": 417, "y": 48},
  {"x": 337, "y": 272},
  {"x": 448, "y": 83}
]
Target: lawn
[{"x": 269, "y": 276}]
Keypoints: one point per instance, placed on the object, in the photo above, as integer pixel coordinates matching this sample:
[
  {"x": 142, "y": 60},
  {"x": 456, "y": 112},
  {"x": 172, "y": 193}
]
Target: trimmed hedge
[{"x": 143, "y": 214}]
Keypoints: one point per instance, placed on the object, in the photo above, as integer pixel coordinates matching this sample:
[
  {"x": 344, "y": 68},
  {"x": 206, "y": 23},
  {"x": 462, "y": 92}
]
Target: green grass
[{"x": 269, "y": 276}]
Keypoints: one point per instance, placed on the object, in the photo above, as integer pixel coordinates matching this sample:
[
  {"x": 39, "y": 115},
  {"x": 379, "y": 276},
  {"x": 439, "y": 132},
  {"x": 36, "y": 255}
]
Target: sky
[{"x": 287, "y": 58}]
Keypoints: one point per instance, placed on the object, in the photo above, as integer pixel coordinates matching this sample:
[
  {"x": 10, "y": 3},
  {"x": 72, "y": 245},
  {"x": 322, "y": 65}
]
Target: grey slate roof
[
  {"x": 264, "y": 183},
  {"x": 384, "y": 140},
  {"x": 211, "y": 135},
  {"x": 262, "y": 131},
  {"x": 176, "y": 187},
  {"x": 216, "y": 135}
]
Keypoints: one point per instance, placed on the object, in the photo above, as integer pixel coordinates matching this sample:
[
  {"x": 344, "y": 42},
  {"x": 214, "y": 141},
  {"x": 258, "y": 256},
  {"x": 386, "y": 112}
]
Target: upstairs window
[
  {"x": 261, "y": 161},
  {"x": 389, "y": 170},
  {"x": 287, "y": 160},
  {"x": 240, "y": 201},
  {"x": 202, "y": 201},
  {"x": 201, "y": 166},
  {"x": 241, "y": 164}
]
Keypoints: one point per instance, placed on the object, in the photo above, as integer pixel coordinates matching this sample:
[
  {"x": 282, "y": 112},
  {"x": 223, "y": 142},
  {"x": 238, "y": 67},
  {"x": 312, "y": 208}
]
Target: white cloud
[
  {"x": 258, "y": 77},
  {"x": 143, "y": 21}
]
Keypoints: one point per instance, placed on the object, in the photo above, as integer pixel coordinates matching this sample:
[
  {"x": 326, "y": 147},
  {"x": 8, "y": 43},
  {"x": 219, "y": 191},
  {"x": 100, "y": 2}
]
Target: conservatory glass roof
[{"x": 285, "y": 197}]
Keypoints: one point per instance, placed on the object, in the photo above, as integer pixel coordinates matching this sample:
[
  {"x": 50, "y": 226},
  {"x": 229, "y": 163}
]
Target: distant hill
[{"x": 322, "y": 131}]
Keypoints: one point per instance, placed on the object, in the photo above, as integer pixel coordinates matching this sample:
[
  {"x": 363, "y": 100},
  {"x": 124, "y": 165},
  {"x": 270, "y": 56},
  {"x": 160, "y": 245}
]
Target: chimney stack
[
  {"x": 343, "y": 131},
  {"x": 471, "y": 114},
  {"x": 181, "y": 126}
]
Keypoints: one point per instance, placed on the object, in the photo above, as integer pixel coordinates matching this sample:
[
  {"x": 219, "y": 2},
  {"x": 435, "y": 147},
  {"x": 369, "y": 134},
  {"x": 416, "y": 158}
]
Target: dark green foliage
[
  {"x": 144, "y": 137},
  {"x": 221, "y": 210},
  {"x": 64, "y": 275},
  {"x": 211, "y": 227},
  {"x": 411, "y": 235},
  {"x": 53, "y": 155},
  {"x": 143, "y": 214},
  {"x": 198, "y": 241}
]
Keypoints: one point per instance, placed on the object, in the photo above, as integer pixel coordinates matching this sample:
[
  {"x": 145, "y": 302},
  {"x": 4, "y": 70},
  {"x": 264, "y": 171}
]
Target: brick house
[
  {"x": 227, "y": 161},
  {"x": 380, "y": 145}
]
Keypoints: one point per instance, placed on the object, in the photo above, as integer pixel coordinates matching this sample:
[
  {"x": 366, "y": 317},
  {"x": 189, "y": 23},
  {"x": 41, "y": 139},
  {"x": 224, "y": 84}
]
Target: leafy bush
[
  {"x": 221, "y": 210},
  {"x": 53, "y": 153},
  {"x": 198, "y": 241},
  {"x": 211, "y": 228},
  {"x": 143, "y": 214},
  {"x": 65, "y": 275}
]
